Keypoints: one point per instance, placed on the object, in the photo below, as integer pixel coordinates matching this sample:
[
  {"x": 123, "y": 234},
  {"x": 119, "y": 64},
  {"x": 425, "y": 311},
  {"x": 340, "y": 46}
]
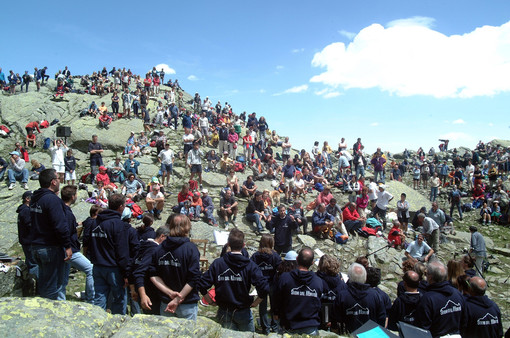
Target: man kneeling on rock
[{"x": 322, "y": 222}]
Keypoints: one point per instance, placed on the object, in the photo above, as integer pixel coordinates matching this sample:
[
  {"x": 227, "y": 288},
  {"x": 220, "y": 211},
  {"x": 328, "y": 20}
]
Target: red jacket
[{"x": 347, "y": 215}]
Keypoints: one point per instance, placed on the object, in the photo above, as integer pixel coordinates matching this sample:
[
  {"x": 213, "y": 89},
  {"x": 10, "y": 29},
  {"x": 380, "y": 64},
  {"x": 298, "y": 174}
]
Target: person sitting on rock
[
  {"x": 419, "y": 251},
  {"x": 105, "y": 120},
  {"x": 226, "y": 163},
  {"x": 208, "y": 208},
  {"x": 102, "y": 176},
  {"x": 255, "y": 211},
  {"x": 131, "y": 165},
  {"x": 228, "y": 207},
  {"x": 155, "y": 201},
  {"x": 132, "y": 188},
  {"x": 195, "y": 207},
  {"x": 351, "y": 218},
  {"x": 249, "y": 187},
  {"x": 322, "y": 222},
  {"x": 17, "y": 171}
]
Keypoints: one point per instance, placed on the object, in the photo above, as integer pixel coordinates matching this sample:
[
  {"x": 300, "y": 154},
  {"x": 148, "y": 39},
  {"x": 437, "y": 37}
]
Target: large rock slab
[{"x": 415, "y": 199}]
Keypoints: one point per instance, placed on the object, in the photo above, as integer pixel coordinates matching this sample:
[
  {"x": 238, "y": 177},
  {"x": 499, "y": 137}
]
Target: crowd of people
[{"x": 160, "y": 268}]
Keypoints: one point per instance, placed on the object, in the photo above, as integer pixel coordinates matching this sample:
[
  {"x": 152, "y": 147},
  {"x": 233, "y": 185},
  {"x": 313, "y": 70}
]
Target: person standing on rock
[
  {"x": 232, "y": 275},
  {"x": 96, "y": 160},
  {"x": 283, "y": 226},
  {"x": 442, "y": 309},
  {"x": 430, "y": 230},
  {"x": 51, "y": 243},
  {"x": 108, "y": 251},
  {"x": 297, "y": 298},
  {"x": 175, "y": 270},
  {"x": 483, "y": 315},
  {"x": 78, "y": 260},
  {"x": 383, "y": 199},
  {"x": 194, "y": 162},
  {"x": 477, "y": 248},
  {"x": 25, "y": 232},
  {"x": 58, "y": 152}
]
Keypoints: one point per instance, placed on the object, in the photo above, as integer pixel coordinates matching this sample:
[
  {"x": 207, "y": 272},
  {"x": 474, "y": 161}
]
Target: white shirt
[
  {"x": 383, "y": 198},
  {"x": 372, "y": 189},
  {"x": 57, "y": 155},
  {"x": 203, "y": 122},
  {"x": 166, "y": 156},
  {"x": 154, "y": 196}
]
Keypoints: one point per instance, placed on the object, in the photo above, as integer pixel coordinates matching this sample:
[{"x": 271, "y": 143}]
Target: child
[
  {"x": 99, "y": 196},
  {"x": 496, "y": 212},
  {"x": 268, "y": 260},
  {"x": 37, "y": 168},
  {"x": 212, "y": 161},
  {"x": 196, "y": 207},
  {"x": 70, "y": 166},
  {"x": 416, "y": 177},
  {"x": 30, "y": 139},
  {"x": 208, "y": 208},
  {"x": 486, "y": 213}
]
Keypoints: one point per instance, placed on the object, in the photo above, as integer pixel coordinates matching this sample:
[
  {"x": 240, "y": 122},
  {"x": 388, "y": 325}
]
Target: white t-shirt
[
  {"x": 154, "y": 196},
  {"x": 372, "y": 190},
  {"x": 203, "y": 122},
  {"x": 166, "y": 156},
  {"x": 300, "y": 184},
  {"x": 188, "y": 139},
  {"x": 383, "y": 198},
  {"x": 57, "y": 155}
]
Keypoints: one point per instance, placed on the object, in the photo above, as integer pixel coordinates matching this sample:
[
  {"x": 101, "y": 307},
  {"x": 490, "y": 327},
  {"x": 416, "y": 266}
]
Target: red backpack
[
  {"x": 135, "y": 208},
  {"x": 238, "y": 166},
  {"x": 193, "y": 185}
]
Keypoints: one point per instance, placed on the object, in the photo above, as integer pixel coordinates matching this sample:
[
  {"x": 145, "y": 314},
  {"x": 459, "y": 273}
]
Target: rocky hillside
[{"x": 16, "y": 111}]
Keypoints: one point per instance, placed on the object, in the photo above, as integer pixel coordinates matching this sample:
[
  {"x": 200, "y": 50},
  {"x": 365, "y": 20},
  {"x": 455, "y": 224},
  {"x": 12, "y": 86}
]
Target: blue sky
[{"x": 395, "y": 73}]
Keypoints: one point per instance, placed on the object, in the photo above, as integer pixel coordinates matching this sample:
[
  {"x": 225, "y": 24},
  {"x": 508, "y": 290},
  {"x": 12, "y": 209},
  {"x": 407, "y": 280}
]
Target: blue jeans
[
  {"x": 185, "y": 311},
  {"x": 380, "y": 174},
  {"x": 209, "y": 214},
  {"x": 255, "y": 218},
  {"x": 16, "y": 175},
  {"x": 266, "y": 321},
  {"x": 80, "y": 262},
  {"x": 360, "y": 171},
  {"x": 108, "y": 280},
  {"x": 33, "y": 269},
  {"x": 195, "y": 211},
  {"x": 459, "y": 208},
  {"x": 237, "y": 320},
  {"x": 433, "y": 193},
  {"x": 50, "y": 260}
]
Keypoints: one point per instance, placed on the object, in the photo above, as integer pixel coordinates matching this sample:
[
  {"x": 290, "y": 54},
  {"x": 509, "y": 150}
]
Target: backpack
[
  {"x": 55, "y": 121},
  {"x": 44, "y": 124},
  {"x": 47, "y": 143},
  {"x": 240, "y": 159},
  {"x": 238, "y": 166},
  {"x": 340, "y": 238},
  {"x": 5, "y": 129},
  {"x": 456, "y": 196},
  {"x": 135, "y": 208},
  {"x": 319, "y": 187},
  {"x": 193, "y": 185},
  {"x": 467, "y": 207},
  {"x": 83, "y": 178}
]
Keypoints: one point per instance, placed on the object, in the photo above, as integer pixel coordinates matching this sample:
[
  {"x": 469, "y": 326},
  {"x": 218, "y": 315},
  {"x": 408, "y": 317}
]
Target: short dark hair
[
  {"x": 46, "y": 176},
  {"x": 116, "y": 201},
  {"x": 305, "y": 257},
  {"x": 67, "y": 192},
  {"x": 162, "y": 230},
  {"x": 236, "y": 240},
  {"x": 373, "y": 276}
]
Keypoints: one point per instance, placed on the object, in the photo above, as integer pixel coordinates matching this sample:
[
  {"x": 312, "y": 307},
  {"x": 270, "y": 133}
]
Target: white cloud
[
  {"x": 459, "y": 121},
  {"x": 165, "y": 67},
  {"x": 414, "y": 21},
  {"x": 279, "y": 67},
  {"x": 298, "y": 50},
  {"x": 491, "y": 124},
  {"x": 262, "y": 91},
  {"x": 409, "y": 58},
  {"x": 192, "y": 78},
  {"x": 327, "y": 93},
  {"x": 294, "y": 90},
  {"x": 374, "y": 124},
  {"x": 347, "y": 34}
]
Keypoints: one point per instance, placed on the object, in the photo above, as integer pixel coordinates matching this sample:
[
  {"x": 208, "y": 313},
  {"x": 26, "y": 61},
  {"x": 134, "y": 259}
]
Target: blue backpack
[{"x": 47, "y": 143}]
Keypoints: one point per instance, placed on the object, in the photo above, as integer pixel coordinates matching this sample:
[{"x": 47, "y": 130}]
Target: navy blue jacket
[
  {"x": 140, "y": 269},
  {"x": 283, "y": 228},
  {"x": 232, "y": 275},
  {"x": 331, "y": 286},
  {"x": 88, "y": 225},
  {"x": 133, "y": 242},
  {"x": 442, "y": 310},
  {"x": 297, "y": 299},
  {"x": 320, "y": 219},
  {"x": 186, "y": 121},
  {"x": 49, "y": 226},
  {"x": 177, "y": 262},
  {"x": 109, "y": 244},
  {"x": 146, "y": 233},
  {"x": 24, "y": 235},
  {"x": 483, "y": 318},
  {"x": 70, "y": 163},
  {"x": 71, "y": 223},
  {"x": 357, "y": 304},
  {"x": 403, "y": 309},
  {"x": 267, "y": 263},
  {"x": 384, "y": 298}
]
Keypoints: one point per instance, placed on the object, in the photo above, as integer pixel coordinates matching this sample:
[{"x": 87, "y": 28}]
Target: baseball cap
[
  {"x": 205, "y": 191},
  {"x": 14, "y": 153}
]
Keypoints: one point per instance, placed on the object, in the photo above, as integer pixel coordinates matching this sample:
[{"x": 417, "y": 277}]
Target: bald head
[
  {"x": 478, "y": 286},
  {"x": 411, "y": 281}
]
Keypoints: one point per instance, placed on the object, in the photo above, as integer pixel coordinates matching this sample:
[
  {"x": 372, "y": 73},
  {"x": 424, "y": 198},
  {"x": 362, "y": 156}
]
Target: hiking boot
[
  {"x": 11, "y": 186},
  {"x": 25, "y": 186}
]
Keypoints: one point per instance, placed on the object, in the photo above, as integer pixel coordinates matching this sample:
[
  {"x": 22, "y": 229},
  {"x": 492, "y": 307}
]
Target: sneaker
[
  {"x": 11, "y": 186},
  {"x": 25, "y": 186},
  {"x": 201, "y": 187},
  {"x": 226, "y": 225}
]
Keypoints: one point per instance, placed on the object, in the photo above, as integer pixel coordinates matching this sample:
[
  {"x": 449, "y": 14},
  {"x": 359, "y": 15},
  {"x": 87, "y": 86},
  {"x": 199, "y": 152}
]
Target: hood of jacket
[
  {"x": 172, "y": 243},
  {"x": 236, "y": 261}
]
